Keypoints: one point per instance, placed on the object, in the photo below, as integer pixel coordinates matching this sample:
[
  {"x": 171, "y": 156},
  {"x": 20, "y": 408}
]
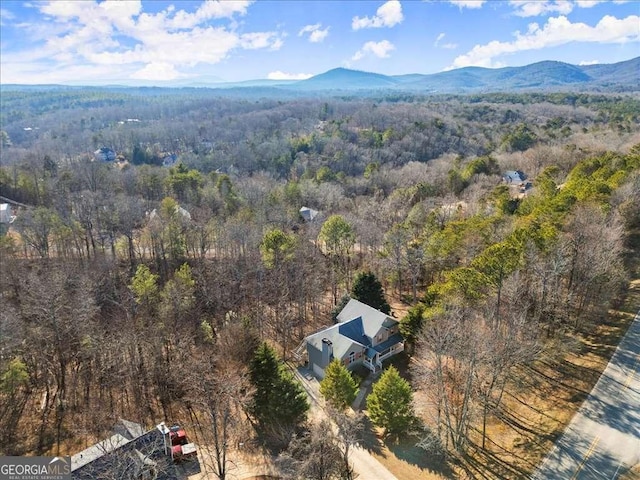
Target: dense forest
[{"x": 157, "y": 285}]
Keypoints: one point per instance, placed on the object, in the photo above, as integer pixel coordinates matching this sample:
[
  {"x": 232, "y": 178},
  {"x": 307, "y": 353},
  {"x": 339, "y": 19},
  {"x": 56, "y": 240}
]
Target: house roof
[
  {"x": 98, "y": 450},
  {"x": 515, "y": 175},
  {"x": 340, "y": 344},
  {"x": 354, "y": 330},
  {"x": 392, "y": 340},
  {"x": 125, "y": 458},
  {"x": 308, "y": 213},
  {"x": 372, "y": 319},
  {"x": 358, "y": 323},
  {"x": 128, "y": 429},
  {"x": 184, "y": 214}
]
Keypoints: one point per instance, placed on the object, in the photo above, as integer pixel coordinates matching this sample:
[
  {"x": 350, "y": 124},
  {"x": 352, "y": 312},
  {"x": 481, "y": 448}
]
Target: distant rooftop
[{"x": 98, "y": 450}]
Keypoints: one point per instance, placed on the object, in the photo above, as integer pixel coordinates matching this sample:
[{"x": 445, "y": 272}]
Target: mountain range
[
  {"x": 547, "y": 75},
  {"x": 542, "y": 75}
]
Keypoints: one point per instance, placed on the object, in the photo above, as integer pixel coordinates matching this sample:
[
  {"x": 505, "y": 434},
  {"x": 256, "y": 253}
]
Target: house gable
[
  {"x": 354, "y": 330},
  {"x": 340, "y": 345},
  {"x": 514, "y": 176},
  {"x": 362, "y": 332},
  {"x": 376, "y": 326}
]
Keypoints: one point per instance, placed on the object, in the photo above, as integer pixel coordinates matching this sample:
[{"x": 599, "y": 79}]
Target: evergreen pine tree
[
  {"x": 411, "y": 323},
  {"x": 338, "y": 386},
  {"x": 390, "y": 402},
  {"x": 264, "y": 371},
  {"x": 279, "y": 401},
  {"x": 368, "y": 289}
]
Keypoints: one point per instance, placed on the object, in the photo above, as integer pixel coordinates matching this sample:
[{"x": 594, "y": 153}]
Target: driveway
[
  {"x": 603, "y": 439},
  {"x": 365, "y": 465}
]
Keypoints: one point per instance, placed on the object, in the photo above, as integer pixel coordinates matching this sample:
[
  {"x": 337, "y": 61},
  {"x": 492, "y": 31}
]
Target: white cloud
[
  {"x": 534, "y": 8},
  {"x": 589, "y": 62},
  {"x": 529, "y": 8},
  {"x": 277, "y": 44},
  {"x": 257, "y": 40},
  {"x": 587, "y": 3},
  {"x": 388, "y": 15},
  {"x": 149, "y": 46},
  {"x": 449, "y": 46},
  {"x": 46, "y": 72},
  {"x": 278, "y": 75},
  {"x": 378, "y": 49},
  {"x": 316, "y": 33},
  {"x": 557, "y": 31},
  {"x": 309, "y": 29},
  {"x": 208, "y": 10},
  {"x": 158, "y": 71},
  {"x": 468, "y": 3},
  {"x": 6, "y": 15}
]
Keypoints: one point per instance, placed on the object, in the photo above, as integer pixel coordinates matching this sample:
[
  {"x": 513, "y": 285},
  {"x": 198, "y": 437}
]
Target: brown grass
[
  {"x": 539, "y": 402},
  {"x": 632, "y": 474},
  {"x": 402, "y": 458}
]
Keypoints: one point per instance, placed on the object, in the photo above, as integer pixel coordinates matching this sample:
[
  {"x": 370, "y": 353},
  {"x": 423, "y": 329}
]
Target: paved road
[
  {"x": 364, "y": 464},
  {"x": 603, "y": 439}
]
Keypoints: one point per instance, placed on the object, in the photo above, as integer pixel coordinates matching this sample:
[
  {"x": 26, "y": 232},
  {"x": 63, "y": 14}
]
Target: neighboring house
[
  {"x": 104, "y": 154},
  {"x": 184, "y": 215},
  {"x": 6, "y": 218},
  {"x": 169, "y": 160},
  {"x": 362, "y": 336},
  {"x": 6, "y": 215},
  {"x": 130, "y": 453},
  {"x": 514, "y": 177},
  {"x": 308, "y": 213}
]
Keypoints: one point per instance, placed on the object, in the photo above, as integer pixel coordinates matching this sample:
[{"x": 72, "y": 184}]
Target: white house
[
  {"x": 514, "y": 177},
  {"x": 308, "y": 213},
  {"x": 5, "y": 213},
  {"x": 362, "y": 336}
]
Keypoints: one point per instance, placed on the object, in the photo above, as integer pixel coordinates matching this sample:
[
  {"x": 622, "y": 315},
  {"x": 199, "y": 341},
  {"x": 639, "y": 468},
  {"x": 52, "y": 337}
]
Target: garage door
[{"x": 318, "y": 371}]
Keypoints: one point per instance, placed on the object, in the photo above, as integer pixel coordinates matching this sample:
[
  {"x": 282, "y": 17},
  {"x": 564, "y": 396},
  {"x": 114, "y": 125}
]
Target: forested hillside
[{"x": 143, "y": 287}]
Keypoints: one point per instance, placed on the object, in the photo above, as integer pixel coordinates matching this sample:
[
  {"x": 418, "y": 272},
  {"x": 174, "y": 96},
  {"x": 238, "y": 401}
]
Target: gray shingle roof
[
  {"x": 358, "y": 323},
  {"x": 372, "y": 319}
]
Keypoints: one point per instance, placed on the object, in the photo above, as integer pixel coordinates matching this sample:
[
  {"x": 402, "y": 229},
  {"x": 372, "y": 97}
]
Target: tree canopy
[
  {"x": 368, "y": 289},
  {"x": 390, "y": 403},
  {"x": 279, "y": 402},
  {"x": 338, "y": 386}
]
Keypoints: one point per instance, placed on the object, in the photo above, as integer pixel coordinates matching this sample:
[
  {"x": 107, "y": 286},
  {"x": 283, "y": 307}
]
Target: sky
[{"x": 153, "y": 42}]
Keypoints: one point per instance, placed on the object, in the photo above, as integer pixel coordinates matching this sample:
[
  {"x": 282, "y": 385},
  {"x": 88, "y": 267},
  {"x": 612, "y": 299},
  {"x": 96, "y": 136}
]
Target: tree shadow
[
  {"x": 187, "y": 469},
  {"x": 420, "y": 448},
  {"x": 487, "y": 464},
  {"x": 370, "y": 441},
  {"x": 406, "y": 449},
  {"x": 558, "y": 382}
]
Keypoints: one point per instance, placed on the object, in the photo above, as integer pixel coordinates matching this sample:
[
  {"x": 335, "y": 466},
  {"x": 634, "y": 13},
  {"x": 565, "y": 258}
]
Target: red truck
[{"x": 181, "y": 447}]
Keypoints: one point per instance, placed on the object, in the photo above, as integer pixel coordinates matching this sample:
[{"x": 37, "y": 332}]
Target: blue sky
[{"x": 157, "y": 42}]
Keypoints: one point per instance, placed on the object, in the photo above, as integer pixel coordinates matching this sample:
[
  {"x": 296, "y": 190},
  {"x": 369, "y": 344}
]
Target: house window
[{"x": 352, "y": 357}]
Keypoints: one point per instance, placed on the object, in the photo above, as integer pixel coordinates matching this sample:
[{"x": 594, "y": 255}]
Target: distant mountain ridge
[
  {"x": 344, "y": 78},
  {"x": 546, "y": 74}
]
